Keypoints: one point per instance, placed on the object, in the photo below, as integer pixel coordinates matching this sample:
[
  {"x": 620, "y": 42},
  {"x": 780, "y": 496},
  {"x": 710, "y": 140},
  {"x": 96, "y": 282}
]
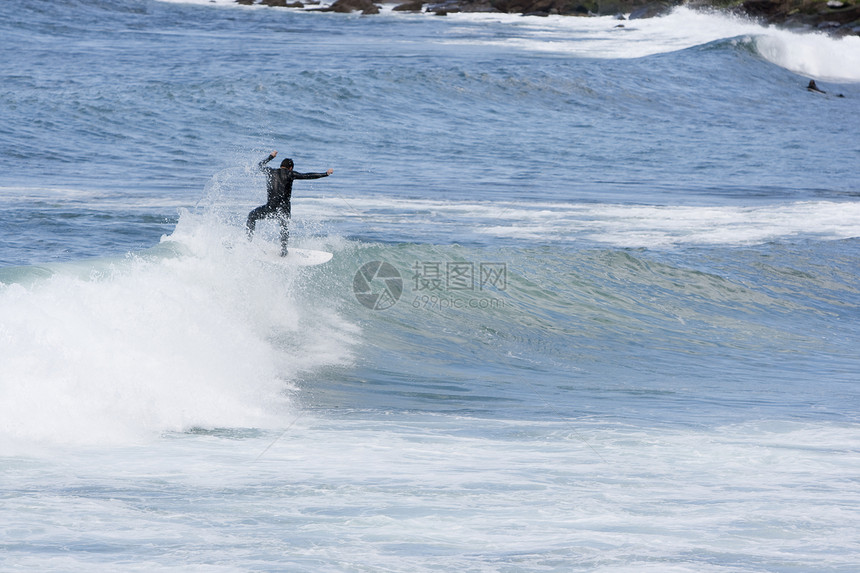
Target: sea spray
[
  {"x": 815, "y": 55},
  {"x": 199, "y": 334}
]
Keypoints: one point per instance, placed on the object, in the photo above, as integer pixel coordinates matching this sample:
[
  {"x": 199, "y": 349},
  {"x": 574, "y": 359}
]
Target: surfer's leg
[
  {"x": 253, "y": 217},
  {"x": 284, "y": 220}
]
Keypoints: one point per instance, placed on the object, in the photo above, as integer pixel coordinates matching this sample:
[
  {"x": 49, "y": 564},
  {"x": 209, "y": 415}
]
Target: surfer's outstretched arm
[
  {"x": 271, "y": 156},
  {"x": 297, "y": 175}
]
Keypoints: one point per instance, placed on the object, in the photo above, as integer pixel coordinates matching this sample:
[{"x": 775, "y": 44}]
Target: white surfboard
[{"x": 300, "y": 257}]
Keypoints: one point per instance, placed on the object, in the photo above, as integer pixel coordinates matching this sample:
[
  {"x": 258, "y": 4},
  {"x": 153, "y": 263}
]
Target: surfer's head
[{"x": 287, "y": 164}]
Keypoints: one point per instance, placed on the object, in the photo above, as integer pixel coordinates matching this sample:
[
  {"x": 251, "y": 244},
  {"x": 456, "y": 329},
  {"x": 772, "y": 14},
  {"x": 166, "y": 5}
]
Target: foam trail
[
  {"x": 651, "y": 226},
  {"x": 197, "y": 335}
]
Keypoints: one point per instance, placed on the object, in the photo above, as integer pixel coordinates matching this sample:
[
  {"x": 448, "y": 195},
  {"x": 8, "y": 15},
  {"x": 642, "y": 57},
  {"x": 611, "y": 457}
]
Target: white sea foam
[
  {"x": 607, "y": 37},
  {"x": 114, "y": 351},
  {"x": 650, "y": 226},
  {"x": 445, "y": 493},
  {"x": 814, "y": 55},
  {"x": 84, "y": 198}
]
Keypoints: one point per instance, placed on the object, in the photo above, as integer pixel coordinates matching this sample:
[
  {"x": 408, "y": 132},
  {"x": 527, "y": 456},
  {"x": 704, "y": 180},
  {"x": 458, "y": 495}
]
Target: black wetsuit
[{"x": 278, "y": 191}]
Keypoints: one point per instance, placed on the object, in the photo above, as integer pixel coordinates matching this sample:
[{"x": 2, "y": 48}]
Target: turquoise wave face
[{"x": 698, "y": 335}]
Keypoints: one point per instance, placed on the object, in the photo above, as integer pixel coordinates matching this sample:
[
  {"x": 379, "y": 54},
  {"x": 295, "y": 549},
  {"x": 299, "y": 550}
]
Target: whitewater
[{"x": 613, "y": 325}]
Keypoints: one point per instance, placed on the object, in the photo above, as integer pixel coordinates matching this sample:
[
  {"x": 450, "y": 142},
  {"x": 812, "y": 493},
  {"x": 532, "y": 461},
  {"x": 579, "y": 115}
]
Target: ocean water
[{"x": 593, "y": 305}]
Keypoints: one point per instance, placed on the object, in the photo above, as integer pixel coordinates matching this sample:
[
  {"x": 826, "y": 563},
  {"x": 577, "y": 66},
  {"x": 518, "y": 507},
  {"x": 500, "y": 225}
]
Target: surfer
[
  {"x": 279, "y": 190},
  {"x": 813, "y": 87}
]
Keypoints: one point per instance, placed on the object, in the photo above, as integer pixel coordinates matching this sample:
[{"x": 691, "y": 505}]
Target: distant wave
[{"x": 815, "y": 55}]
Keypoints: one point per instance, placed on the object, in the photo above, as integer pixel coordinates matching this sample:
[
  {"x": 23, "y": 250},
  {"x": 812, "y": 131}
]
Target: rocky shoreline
[{"x": 835, "y": 17}]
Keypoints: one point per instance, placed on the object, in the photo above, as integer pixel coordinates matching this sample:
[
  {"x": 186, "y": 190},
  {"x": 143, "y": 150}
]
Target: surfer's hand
[
  {"x": 274, "y": 154},
  {"x": 329, "y": 172}
]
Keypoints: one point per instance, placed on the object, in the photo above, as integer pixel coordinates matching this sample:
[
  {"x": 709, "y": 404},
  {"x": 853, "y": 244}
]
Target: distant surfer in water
[
  {"x": 279, "y": 190},
  {"x": 813, "y": 87}
]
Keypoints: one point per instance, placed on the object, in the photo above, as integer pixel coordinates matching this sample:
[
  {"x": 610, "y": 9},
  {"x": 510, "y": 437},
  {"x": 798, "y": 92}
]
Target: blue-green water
[{"x": 620, "y": 335}]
